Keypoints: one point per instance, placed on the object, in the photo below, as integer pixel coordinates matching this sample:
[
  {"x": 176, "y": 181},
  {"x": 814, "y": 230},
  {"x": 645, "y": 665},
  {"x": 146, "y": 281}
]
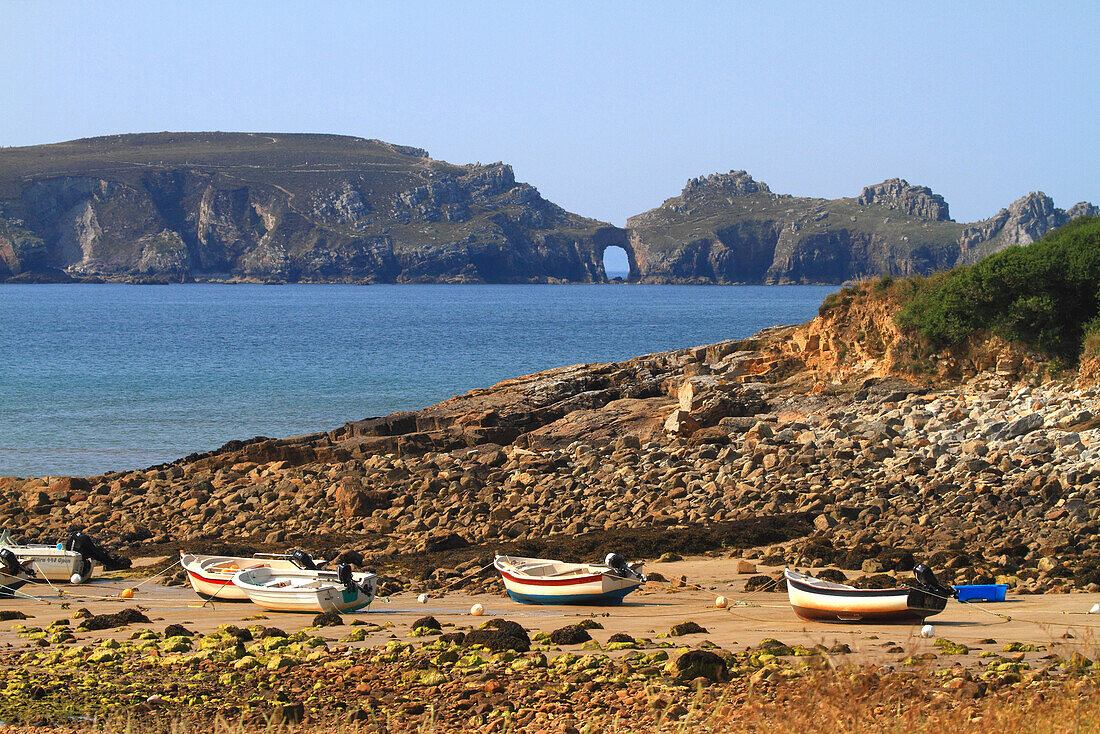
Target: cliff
[
  {"x": 326, "y": 208},
  {"x": 271, "y": 208},
  {"x": 728, "y": 228}
]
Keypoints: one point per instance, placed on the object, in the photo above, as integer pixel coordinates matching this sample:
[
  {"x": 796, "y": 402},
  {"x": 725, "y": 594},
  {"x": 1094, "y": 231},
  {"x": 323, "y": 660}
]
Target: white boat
[
  {"x": 212, "y": 576},
  {"x": 824, "y": 601},
  {"x": 301, "y": 590},
  {"x": 542, "y": 581},
  {"x": 51, "y": 562},
  {"x": 13, "y": 574}
]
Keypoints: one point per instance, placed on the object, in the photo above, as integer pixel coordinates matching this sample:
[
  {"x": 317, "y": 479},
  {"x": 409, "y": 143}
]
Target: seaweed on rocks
[
  {"x": 701, "y": 664},
  {"x": 572, "y": 634},
  {"x": 499, "y": 635},
  {"x": 242, "y": 635},
  {"x": 328, "y": 619},
  {"x": 110, "y": 621},
  {"x": 641, "y": 542},
  {"x": 428, "y": 622},
  {"x": 875, "y": 581},
  {"x": 177, "y": 630},
  {"x": 687, "y": 628}
]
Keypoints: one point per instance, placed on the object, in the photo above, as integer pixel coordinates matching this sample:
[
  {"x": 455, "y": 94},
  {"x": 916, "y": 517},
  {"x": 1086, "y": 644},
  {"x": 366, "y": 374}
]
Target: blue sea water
[{"x": 96, "y": 378}]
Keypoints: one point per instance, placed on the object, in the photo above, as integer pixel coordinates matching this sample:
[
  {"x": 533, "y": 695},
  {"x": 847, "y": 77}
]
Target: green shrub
[
  {"x": 1091, "y": 344},
  {"x": 1043, "y": 294}
]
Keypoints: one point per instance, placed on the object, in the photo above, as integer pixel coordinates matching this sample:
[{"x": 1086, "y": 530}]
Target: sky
[{"x": 608, "y": 108}]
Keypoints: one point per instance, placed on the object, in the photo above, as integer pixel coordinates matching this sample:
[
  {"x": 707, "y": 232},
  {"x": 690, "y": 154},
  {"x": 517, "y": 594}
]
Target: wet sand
[{"x": 751, "y": 617}]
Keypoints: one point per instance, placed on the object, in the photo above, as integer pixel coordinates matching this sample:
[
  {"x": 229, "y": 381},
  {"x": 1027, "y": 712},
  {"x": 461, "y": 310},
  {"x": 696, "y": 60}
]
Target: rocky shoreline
[
  {"x": 812, "y": 446},
  {"x": 770, "y": 446}
]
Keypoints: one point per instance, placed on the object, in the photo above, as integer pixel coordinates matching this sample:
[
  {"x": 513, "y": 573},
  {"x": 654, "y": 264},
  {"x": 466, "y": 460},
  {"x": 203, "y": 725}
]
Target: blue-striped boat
[{"x": 543, "y": 581}]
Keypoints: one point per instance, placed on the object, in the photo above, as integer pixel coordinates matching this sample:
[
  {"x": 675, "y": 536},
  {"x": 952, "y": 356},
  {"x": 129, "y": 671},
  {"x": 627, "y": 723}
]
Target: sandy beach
[{"x": 1057, "y": 622}]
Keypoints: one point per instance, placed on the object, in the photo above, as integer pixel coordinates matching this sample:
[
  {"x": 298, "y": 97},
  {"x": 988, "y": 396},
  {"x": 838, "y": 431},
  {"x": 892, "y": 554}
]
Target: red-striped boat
[
  {"x": 824, "y": 601},
  {"x": 212, "y": 576},
  {"x": 543, "y": 581}
]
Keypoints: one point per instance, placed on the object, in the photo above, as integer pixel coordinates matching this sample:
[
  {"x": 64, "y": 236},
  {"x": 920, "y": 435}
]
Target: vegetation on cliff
[
  {"x": 729, "y": 228},
  {"x": 276, "y": 207},
  {"x": 328, "y": 208},
  {"x": 1044, "y": 295}
]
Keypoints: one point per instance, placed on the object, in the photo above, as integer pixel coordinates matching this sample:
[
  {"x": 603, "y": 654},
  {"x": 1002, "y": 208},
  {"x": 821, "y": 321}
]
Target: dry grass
[
  {"x": 848, "y": 701},
  {"x": 841, "y": 705}
]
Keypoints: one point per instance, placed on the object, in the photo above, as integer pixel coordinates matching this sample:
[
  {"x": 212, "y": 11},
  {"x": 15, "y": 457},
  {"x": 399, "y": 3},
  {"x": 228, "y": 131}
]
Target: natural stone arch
[
  {"x": 616, "y": 263},
  {"x": 614, "y": 237}
]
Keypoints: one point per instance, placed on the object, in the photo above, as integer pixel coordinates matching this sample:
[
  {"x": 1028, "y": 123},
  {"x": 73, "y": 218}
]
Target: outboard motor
[
  {"x": 89, "y": 549},
  {"x": 303, "y": 560},
  {"x": 11, "y": 564},
  {"x": 621, "y": 567},
  {"x": 343, "y": 574},
  {"x": 928, "y": 581}
]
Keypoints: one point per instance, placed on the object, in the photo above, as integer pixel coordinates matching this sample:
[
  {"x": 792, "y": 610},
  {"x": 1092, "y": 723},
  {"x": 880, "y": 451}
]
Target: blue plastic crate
[{"x": 982, "y": 592}]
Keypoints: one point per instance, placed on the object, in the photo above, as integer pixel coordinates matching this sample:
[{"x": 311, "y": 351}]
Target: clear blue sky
[{"x": 607, "y": 107}]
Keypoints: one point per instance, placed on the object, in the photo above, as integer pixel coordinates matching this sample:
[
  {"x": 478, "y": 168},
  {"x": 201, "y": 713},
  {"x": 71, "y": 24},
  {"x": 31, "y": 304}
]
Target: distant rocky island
[{"x": 271, "y": 208}]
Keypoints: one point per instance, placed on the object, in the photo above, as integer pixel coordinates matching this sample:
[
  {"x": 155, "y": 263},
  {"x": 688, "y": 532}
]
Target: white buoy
[
  {"x": 1095, "y": 609},
  {"x": 75, "y": 579},
  {"x": 477, "y": 610},
  {"x": 927, "y": 631},
  {"x": 721, "y": 602},
  {"x": 423, "y": 598}
]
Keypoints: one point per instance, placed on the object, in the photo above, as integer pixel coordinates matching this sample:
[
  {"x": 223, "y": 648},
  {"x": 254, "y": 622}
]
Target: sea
[{"x": 99, "y": 378}]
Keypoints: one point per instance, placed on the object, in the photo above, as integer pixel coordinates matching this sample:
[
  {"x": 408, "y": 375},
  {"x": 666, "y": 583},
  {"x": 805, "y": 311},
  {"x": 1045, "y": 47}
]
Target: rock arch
[{"x": 614, "y": 237}]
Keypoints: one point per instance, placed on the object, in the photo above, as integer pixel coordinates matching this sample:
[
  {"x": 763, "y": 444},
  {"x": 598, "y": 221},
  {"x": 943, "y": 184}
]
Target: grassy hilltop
[
  {"x": 276, "y": 207},
  {"x": 729, "y": 228},
  {"x": 273, "y": 207}
]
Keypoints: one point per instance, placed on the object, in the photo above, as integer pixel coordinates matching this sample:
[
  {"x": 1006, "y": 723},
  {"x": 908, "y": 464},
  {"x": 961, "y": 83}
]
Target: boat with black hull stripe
[
  {"x": 824, "y": 601},
  {"x": 13, "y": 574}
]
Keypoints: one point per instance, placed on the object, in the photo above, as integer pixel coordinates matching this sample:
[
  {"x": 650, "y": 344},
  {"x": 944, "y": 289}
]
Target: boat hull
[
  {"x": 817, "y": 604},
  {"x": 212, "y": 576},
  {"x": 10, "y": 584},
  {"x": 328, "y": 600},
  {"x": 596, "y": 589},
  {"x": 51, "y": 563},
  {"x": 609, "y": 598},
  {"x": 305, "y": 591}
]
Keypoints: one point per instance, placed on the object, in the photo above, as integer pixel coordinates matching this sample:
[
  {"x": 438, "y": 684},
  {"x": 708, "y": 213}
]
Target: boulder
[
  {"x": 1023, "y": 425},
  {"x": 694, "y": 391},
  {"x": 498, "y": 635},
  {"x": 687, "y": 628},
  {"x": 110, "y": 621},
  {"x": 328, "y": 619},
  {"x": 681, "y": 423},
  {"x": 428, "y": 622},
  {"x": 573, "y": 634},
  {"x": 444, "y": 541},
  {"x": 354, "y": 501},
  {"x": 700, "y": 664},
  {"x": 67, "y": 486}
]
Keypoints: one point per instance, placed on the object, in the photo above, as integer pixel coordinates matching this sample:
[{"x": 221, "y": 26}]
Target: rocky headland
[
  {"x": 729, "y": 228},
  {"x": 812, "y": 445},
  {"x": 229, "y": 207},
  {"x": 275, "y": 208}
]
